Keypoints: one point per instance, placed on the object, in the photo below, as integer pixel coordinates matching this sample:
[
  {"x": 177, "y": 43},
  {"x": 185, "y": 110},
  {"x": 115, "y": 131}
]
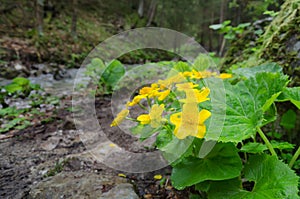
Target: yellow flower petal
[
  {"x": 122, "y": 175},
  {"x": 189, "y": 120},
  {"x": 120, "y": 117},
  {"x": 203, "y": 116},
  {"x": 155, "y": 115},
  {"x": 144, "y": 119},
  {"x": 112, "y": 145},
  {"x": 201, "y": 131},
  {"x": 191, "y": 126},
  {"x": 202, "y": 95},
  {"x": 225, "y": 76},
  {"x": 185, "y": 86},
  {"x": 136, "y": 100},
  {"x": 157, "y": 177},
  {"x": 163, "y": 95},
  {"x": 175, "y": 118}
]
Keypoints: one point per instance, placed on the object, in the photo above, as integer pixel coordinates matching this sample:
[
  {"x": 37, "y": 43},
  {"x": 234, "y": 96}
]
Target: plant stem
[
  {"x": 267, "y": 142},
  {"x": 143, "y": 107},
  {"x": 294, "y": 158}
]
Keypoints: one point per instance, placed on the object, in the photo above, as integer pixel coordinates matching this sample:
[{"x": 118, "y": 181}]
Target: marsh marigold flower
[
  {"x": 154, "y": 117},
  {"x": 120, "y": 117},
  {"x": 188, "y": 130},
  {"x": 162, "y": 95}
]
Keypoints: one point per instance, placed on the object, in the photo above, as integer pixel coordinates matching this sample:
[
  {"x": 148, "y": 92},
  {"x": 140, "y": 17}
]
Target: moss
[{"x": 275, "y": 45}]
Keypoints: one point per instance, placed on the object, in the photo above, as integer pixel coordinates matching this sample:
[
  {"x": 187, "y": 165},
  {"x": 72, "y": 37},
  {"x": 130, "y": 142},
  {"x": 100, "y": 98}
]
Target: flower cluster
[{"x": 184, "y": 119}]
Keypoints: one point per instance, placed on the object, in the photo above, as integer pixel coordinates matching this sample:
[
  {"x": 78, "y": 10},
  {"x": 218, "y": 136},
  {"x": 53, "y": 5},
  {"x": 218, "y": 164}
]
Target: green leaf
[
  {"x": 270, "y": 115},
  {"x": 176, "y": 149},
  {"x": 259, "y": 147},
  {"x": 163, "y": 138},
  {"x": 21, "y": 81},
  {"x": 250, "y": 72},
  {"x": 288, "y": 119},
  {"x": 223, "y": 162},
  {"x": 113, "y": 73},
  {"x": 253, "y": 148},
  {"x": 98, "y": 62},
  {"x": 291, "y": 94},
  {"x": 203, "y": 186},
  {"x": 282, "y": 145},
  {"x": 273, "y": 180},
  {"x": 11, "y": 88},
  {"x": 216, "y": 26},
  {"x": 203, "y": 62},
  {"x": 246, "y": 102},
  {"x": 144, "y": 130},
  {"x": 182, "y": 67}
]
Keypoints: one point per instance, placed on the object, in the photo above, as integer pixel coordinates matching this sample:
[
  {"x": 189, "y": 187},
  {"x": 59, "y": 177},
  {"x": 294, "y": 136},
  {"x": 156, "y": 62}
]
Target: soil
[{"x": 34, "y": 159}]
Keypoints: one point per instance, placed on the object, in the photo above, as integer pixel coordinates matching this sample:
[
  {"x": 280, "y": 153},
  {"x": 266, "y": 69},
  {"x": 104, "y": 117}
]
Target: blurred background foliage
[{"x": 65, "y": 31}]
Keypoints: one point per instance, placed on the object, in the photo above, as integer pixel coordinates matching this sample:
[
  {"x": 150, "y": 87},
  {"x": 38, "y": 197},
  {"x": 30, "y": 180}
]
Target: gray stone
[
  {"x": 79, "y": 185},
  {"x": 124, "y": 191}
]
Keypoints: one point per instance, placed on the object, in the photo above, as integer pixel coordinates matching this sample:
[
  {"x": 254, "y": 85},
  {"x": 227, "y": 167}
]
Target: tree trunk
[
  {"x": 141, "y": 8},
  {"x": 74, "y": 19},
  {"x": 222, "y": 17},
  {"x": 39, "y": 12},
  {"x": 152, "y": 11}
]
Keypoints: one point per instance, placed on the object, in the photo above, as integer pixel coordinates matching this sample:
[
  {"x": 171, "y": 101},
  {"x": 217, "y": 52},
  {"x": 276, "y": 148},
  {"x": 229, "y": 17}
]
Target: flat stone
[
  {"x": 124, "y": 191},
  {"x": 79, "y": 185}
]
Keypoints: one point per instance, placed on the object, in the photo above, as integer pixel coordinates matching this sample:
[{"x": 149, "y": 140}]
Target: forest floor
[{"x": 50, "y": 161}]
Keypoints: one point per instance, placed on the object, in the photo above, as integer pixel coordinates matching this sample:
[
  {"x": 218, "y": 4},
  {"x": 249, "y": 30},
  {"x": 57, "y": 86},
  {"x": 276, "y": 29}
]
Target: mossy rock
[{"x": 279, "y": 43}]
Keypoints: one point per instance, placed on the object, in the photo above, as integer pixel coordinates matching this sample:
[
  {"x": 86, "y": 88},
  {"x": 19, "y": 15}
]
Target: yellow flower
[
  {"x": 120, "y": 117},
  {"x": 163, "y": 94},
  {"x": 202, "y": 95},
  {"x": 154, "y": 117},
  {"x": 201, "y": 74},
  {"x": 187, "y": 74},
  {"x": 185, "y": 86},
  {"x": 136, "y": 100},
  {"x": 144, "y": 119},
  {"x": 225, "y": 76},
  {"x": 191, "y": 121},
  {"x": 150, "y": 91}
]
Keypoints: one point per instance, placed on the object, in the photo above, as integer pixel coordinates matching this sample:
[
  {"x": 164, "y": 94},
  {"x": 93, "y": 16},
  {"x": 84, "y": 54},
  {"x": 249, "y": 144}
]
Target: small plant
[
  {"x": 20, "y": 86},
  {"x": 230, "y": 32},
  {"x": 105, "y": 77},
  {"x": 13, "y": 118},
  {"x": 179, "y": 112},
  {"x": 58, "y": 167}
]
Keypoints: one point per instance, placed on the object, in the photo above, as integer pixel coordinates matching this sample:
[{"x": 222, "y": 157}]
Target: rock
[
  {"x": 50, "y": 144},
  {"x": 80, "y": 184},
  {"x": 124, "y": 191},
  {"x": 18, "y": 66}
]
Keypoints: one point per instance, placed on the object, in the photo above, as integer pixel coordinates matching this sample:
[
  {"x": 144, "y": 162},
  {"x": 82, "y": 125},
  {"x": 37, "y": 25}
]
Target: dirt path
[{"x": 50, "y": 161}]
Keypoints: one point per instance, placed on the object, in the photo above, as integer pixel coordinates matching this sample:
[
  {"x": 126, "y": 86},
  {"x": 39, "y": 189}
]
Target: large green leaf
[
  {"x": 113, "y": 73},
  {"x": 246, "y": 102},
  {"x": 250, "y": 72},
  {"x": 223, "y": 162},
  {"x": 291, "y": 94},
  {"x": 273, "y": 180}
]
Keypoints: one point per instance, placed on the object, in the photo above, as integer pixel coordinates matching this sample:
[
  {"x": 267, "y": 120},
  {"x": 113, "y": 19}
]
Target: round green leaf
[
  {"x": 273, "y": 180},
  {"x": 223, "y": 162}
]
